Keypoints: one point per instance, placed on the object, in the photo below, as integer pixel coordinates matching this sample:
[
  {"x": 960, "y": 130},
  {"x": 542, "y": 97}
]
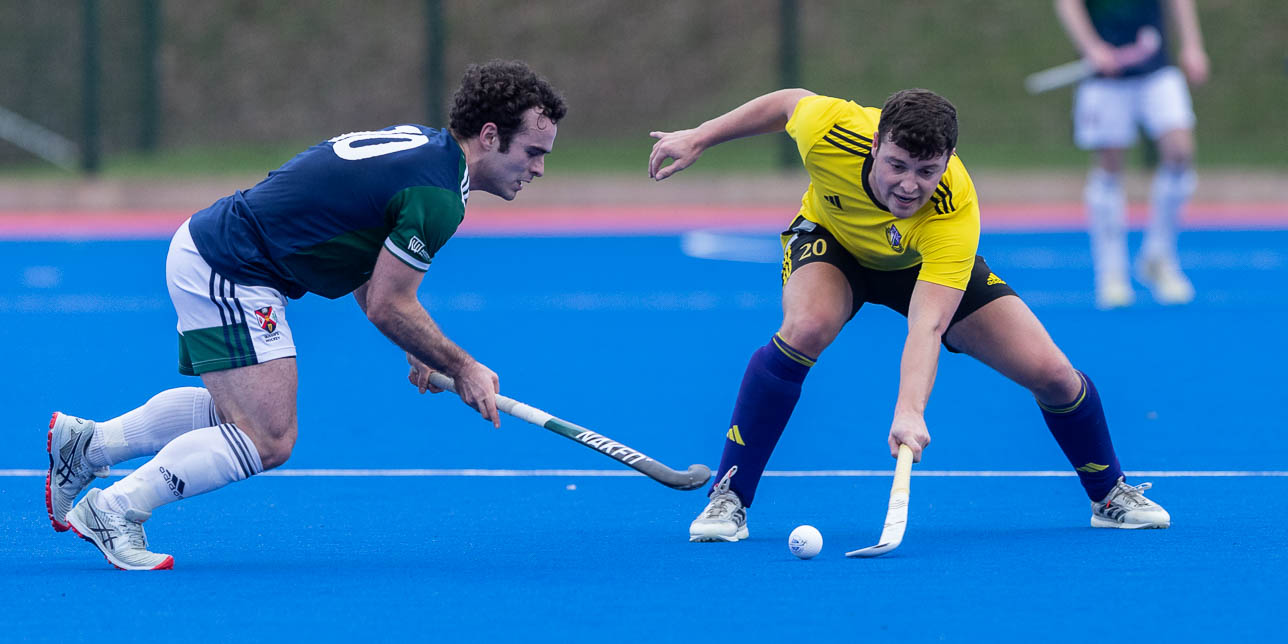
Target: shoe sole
[
  {"x": 1172, "y": 300},
  {"x": 718, "y": 538},
  {"x": 49, "y": 476},
  {"x": 1167, "y": 296},
  {"x": 166, "y": 564},
  {"x": 1097, "y": 522}
]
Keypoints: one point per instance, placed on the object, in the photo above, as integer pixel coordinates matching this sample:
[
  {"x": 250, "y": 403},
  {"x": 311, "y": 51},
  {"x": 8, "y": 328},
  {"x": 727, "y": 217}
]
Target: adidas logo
[
  {"x": 176, "y": 484},
  {"x": 1092, "y": 468},
  {"x": 735, "y": 435},
  {"x": 993, "y": 280},
  {"x": 1113, "y": 512},
  {"x": 834, "y": 200}
]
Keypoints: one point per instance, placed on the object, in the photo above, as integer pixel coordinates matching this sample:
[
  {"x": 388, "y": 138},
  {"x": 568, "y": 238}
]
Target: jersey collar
[{"x": 867, "y": 184}]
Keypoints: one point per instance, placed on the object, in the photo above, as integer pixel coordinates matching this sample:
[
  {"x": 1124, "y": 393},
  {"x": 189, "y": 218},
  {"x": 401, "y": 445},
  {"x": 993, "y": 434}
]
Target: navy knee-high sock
[
  {"x": 1083, "y": 433},
  {"x": 770, "y": 388}
]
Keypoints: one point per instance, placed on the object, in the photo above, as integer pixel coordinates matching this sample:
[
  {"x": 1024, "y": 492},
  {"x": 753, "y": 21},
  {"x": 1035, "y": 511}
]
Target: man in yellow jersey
[{"x": 890, "y": 217}]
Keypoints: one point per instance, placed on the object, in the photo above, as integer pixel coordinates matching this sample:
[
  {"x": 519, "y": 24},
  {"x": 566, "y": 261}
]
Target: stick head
[
  {"x": 698, "y": 475},
  {"x": 896, "y": 512},
  {"x": 873, "y": 551}
]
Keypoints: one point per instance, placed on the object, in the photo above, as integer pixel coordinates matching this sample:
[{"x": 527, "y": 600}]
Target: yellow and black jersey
[{"x": 834, "y": 138}]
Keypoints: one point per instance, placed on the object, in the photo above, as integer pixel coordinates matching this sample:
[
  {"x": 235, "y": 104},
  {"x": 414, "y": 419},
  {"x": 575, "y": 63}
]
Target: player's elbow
[{"x": 382, "y": 311}]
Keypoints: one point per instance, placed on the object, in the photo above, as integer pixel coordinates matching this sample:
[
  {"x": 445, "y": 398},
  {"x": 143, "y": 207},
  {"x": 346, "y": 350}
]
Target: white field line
[{"x": 359, "y": 473}]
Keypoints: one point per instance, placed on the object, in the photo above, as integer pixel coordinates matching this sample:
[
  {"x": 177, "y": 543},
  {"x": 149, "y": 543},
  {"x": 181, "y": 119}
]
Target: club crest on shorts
[
  {"x": 895, "y": 239},
  {"x": 267, "y": 321}
]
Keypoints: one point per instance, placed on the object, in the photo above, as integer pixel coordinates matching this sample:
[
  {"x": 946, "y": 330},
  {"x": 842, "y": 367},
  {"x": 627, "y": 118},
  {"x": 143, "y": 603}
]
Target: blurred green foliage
[{"x": 246, "y": 84}]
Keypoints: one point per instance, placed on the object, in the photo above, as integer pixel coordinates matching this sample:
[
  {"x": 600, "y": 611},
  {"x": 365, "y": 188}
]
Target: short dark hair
[
  {"x": 501, "y": 92},
  {"x": 919, "y": 121}
]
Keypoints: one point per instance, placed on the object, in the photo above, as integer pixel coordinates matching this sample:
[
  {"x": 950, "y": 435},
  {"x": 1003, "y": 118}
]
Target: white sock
[
  {"x": 144, "y": 431},
  {"x": 197, "y": 462},
  {"x": 1172, "y": 189},
  {"x": 1107, "y": 218}
]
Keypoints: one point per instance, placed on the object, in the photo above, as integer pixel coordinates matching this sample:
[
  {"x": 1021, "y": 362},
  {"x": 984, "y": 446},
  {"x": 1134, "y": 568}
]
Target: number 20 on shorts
[{"x": 817, "y": 247}]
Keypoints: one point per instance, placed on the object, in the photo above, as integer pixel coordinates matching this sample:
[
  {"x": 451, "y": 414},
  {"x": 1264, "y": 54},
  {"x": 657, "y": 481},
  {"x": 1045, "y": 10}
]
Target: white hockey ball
[{"x": 805, "y": 541}]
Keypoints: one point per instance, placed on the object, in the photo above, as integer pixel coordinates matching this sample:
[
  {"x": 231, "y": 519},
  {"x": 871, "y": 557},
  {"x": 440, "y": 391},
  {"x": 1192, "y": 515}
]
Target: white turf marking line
[{"x": 358, "y": 473}]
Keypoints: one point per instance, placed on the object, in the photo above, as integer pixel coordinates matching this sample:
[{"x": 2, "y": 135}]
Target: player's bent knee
[
  {"x": 274, "y": 447},
  {"x": 275, "y": 453},
  {"x": 1110, "y": 160},
  {"x": 1056, "y": 383},
  {"x": 810, "y": 334}
]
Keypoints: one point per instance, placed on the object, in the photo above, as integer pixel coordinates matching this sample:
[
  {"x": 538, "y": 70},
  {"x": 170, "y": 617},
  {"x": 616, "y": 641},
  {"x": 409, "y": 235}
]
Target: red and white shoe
[
  {"x": 119, "y": 537},
  {"x": 69, "y": 473}
]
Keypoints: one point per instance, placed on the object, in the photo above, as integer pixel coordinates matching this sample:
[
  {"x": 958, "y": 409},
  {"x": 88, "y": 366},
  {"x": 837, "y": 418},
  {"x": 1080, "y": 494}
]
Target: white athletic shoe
[
  {"x": 67, "y": 444},
  {"x": 119, "y": 537},
  {"x": 1126, "y": 507},
  {"x": 724, "y": 518},
  {"x": 1114, "y": 294},
  {"x": 1165, "y": 280}
]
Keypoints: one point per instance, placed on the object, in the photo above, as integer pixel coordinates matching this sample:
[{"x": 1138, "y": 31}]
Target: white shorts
[
  {"x": 1106, "y": 111},
  {"x": 222, "y": 325}
]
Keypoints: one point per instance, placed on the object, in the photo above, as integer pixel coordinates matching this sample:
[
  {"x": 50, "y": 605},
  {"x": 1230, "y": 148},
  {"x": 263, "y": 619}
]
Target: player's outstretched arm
[
  {"x": 419, "y": 372},
  {"x": 761, "y": 115},
  {"x": 929, "y": 312},
  {"x": 1077, "y": 23},
  {"x": 392, "y": 306}
]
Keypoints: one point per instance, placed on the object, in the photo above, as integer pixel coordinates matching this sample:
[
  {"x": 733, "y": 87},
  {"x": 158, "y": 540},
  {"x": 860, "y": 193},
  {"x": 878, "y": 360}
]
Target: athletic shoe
[
  {"x": 1126, "y": 507},
  {"x": 67, "y": 444},
  {"x": 119, "y": 537},
  {"x": 1114, "y": 294},
  {"x": 724, "y": 518},
  {"x": 1165, "y": 280}
]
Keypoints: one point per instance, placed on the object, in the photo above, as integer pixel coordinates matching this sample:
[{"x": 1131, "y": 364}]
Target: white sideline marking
[
  {"x": 780, "y": 473},
  {"x": 710, "y": 244}
]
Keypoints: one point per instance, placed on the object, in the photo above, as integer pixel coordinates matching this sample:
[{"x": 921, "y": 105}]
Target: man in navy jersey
[
  {"x": 361, "y": 213},
  {"x": 1107, "y": 110}
]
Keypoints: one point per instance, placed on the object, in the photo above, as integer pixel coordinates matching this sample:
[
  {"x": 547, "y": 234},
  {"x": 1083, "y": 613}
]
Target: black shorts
[{"x": 807, "y": 242}]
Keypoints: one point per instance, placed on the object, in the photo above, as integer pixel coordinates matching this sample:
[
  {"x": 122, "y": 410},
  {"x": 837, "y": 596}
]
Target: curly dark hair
[
  {"x": 919, "y": 121},
  {"x": 501, "y": 92}
]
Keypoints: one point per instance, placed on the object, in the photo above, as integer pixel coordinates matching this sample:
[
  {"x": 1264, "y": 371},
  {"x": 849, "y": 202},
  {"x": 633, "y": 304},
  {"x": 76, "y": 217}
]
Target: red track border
[{"x": 492, "y": 221}]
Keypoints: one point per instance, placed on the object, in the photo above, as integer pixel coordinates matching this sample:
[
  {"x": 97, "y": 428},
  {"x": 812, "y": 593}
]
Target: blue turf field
[{"x": 630, "y": 336}]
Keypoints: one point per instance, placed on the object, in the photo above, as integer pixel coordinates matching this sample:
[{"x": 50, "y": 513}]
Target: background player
[
  {"x": 1107, "y": 110},
  {"x": 362, "y": 213},
  {"x": 890, "y": 217}
]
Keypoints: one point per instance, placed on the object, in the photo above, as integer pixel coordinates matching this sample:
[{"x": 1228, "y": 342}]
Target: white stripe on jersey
[{"x": 405, "y": 256}]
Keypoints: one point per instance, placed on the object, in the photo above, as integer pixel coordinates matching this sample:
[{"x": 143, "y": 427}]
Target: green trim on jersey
[
  {"x": 215, "y": 349},
  {"x": 426, "y": 216},
  {"x": 337, "y": 266},
  {"x": 418, "y": 221}
]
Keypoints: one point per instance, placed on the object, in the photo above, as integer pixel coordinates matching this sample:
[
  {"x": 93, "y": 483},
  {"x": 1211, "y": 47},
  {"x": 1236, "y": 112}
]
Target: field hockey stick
[
  {"x": 695, "y": 477},
  {"x": 1147, "y": 42},
  {"x": 897, "y": 513}
]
